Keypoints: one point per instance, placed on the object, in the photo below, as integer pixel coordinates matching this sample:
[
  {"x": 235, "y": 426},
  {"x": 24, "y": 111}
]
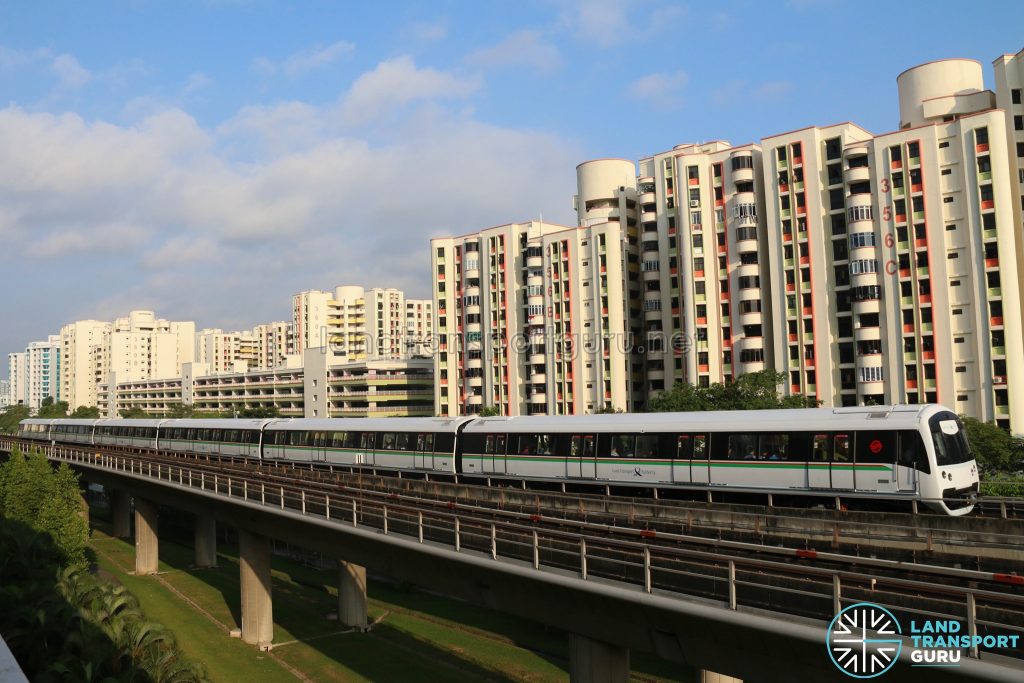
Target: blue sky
[{"x": 209, "y": 159}]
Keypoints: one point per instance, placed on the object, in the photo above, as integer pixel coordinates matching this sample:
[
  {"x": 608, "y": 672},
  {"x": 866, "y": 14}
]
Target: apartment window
[
  {"x": 859, "y": 213},
  {"x": 952, "y": 255},
  {"x": 947, "y": 200},
  {"x": 740, "y": 162},
  {"x": 981, "y": 136},
  {"x": 1020, "y": 149},
  {"x": 871, "y": 374},
  {"x": 986, "y": 193},
  {"x": 948, "y": 171},
  {"x": 863, "y": 266},
  {"x": 797, "y": 150},
  {"x": 695, "y": 218},
  {"x": 1015, "y": 95},
  {"x": 896, "y": 153},
  {"x": 1018, "y": 122},
  {"x": 692, "y": 173},
  {"x": 694, "y": 194},
  {"x": 944, "y": 144},
  {"x": 832, "y": 148},
  {"x": 862, "y": 239},
  {"x": 750, "y": 282},
  {"x": 950, "y": 227},
  {"x": 780, "y": 153}
]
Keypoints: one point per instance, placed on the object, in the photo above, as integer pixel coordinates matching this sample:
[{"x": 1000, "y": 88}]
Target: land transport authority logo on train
[{"x": 864, "y": 640}]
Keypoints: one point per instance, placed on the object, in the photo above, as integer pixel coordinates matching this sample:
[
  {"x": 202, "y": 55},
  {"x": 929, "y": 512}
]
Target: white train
[{"x": 917, "y": 452}]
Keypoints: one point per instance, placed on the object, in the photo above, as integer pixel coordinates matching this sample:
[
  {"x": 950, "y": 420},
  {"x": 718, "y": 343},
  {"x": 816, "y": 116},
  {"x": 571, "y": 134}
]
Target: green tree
[
  {"x": 10, "y": 418},
  {"x": 180, "y": 411},
  {"x": 86, "y": 412},
  {"x": 47, "y": 500},
  {"x": 50, "y": 409},
  {"x": 753, "y": 391},
  {"x": 994, "y": 448},
  {"x": 490, "y": 411},
  {"x": 134, "y": 414}
]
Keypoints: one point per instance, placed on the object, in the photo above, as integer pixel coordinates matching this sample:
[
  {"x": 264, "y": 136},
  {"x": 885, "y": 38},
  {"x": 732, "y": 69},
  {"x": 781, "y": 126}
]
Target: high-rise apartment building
[
  {"x": 360, "y": 324},
  {"x": 867, "y": 268},
  {"x": 275, "y": 342},
  {"x": 83, "y": 344},
  {"x": 17, "y": 383},
  {"x": 532, "y": 318},
  {"x": 42, "y": 371}
]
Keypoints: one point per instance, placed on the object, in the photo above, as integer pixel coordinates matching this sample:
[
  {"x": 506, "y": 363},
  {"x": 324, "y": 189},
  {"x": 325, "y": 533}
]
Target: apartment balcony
[
  {"x": 743, "y": 175},
  {"x": 646, "y": 197},
  {"x": 867, "y": 333},
  {"x": 538, "y": 397},
  {"x": 534, "y": 261},
  {"x": 857, "y": 174},
  {"x": 536, "y": 359}
]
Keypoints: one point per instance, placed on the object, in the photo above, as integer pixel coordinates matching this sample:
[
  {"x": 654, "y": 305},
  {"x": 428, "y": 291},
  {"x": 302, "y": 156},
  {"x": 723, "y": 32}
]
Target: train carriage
[
  {"x": 35, "y": 428},
  {"x": 73, "y": 431},
  {"x": 232, "y": 438},
  {"x": 396, "y": 443},
  {"x": 918, "y": 451},
  {"x": 126, "y": 433}
]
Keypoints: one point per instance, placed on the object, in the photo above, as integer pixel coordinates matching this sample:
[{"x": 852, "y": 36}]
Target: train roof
[
  {"x": 374, "y": 424},
  {"x": 827, "y": 419},
  {"x": 222, "y": 423}
]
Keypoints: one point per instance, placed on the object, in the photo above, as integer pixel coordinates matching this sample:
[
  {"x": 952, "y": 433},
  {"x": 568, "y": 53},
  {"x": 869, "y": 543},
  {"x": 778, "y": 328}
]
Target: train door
[
  {"x": 906, "y": 465},
  {"x": 582, "y": 457},
  {"x": 424, "y": 456},
  {"x": 366, "y": 445},
  {"x": 819, "y": 467},
  {"x": 842, "y": 467},
  {"x": 487, "y": 460},
  {"x": 700, "y": 466}
]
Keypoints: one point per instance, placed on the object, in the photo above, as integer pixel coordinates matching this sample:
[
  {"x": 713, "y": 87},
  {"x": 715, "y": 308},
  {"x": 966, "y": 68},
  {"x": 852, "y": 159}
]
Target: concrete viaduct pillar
[
  {"x": 257, "y": 608},
  {"x": 120, "y": 514},
  {"x": 147, "y": 554},
  {"x": 352, "y": 595},
  {"x": 594, "y": 661},
  {"x": 206, "y": 541}
]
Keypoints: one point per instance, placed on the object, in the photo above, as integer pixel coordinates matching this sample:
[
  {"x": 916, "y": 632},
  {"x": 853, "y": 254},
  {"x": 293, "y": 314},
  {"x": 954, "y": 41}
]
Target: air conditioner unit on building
[{"x": 694, "y": 203}]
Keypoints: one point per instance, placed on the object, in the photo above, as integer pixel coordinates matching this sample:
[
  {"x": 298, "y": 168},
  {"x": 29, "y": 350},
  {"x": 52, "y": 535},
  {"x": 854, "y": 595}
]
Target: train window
[
  {"x": 297, "y": 438},
  {"x": 911, "y": 452},
  {"x": 444, "y": 443},
  {"x": 499, "y": 444},
  {"x": 527, "y": 444},
  {"x": 700, "y": 447},
  {"x": 822, "y": 449},
  {"x": 389, "y": 441},
  {"x": 774, "y": 447},
  {"x": 876, "y": 447},
  {"x": 403, "y": 441},
  {"x": 841, "y": 450},
  {"x": 474, "y": 443},
  {"x": 352, "y": 439},
  {"x": 742, "y": 447},
  {"x": 489, "y": 444},
  {"x": 684, "y": 447},
  {"x": 647, "y": 446},
  {"x": 337, "y": 439},
  {"x": 230, "y": 435},
  {"x": 623, "y": 446},
  {"x": 425, "y": 443},
  {"x": 366, "y": 441},
  {"x": 581, "y": 446}
]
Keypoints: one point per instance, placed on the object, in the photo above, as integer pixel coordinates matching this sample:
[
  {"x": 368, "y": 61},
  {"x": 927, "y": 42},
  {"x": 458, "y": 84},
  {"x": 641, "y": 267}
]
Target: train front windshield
[{"x": 950, "y": 439}]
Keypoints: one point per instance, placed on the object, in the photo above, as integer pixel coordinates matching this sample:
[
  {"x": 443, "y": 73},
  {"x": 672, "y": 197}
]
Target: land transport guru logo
[{"x": 865, "y": 641}]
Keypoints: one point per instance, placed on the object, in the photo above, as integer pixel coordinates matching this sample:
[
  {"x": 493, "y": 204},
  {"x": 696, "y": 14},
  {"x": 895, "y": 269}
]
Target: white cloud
[
  {"x": 195, "y": 83},
  {"x": 524, "y": 48},
  {"x": 223, "y": 225},
  {"x": 661, "y": 91},
  {"x": 398, "y": 82},
  {"x": 430, "y": 32},
  {"x": 304, "y": 61},
  {"x": 70, "y": 74},
  {"x": 608, "y": 23}
]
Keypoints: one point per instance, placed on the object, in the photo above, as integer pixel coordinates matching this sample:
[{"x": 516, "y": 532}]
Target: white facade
[
  {"x": 83, "y": 345},
  {"x": 43, "y": 371},
  {"x": 534, "y": 318},
  {"x": 17, "y": 387}
]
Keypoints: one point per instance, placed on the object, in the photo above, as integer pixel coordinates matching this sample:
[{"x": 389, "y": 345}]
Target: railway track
[{"x": 651, "y": 554}]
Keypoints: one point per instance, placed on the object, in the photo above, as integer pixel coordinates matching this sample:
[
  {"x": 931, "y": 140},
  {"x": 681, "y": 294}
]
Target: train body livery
[{"x": 917, "y": 452}]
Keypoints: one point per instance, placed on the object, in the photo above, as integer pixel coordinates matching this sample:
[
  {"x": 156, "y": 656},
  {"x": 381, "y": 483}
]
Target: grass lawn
[{"x": 415, "y": 636}]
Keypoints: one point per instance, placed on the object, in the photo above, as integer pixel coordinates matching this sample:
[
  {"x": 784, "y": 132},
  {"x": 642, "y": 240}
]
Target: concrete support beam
[
  {"x": 206, "y": 540},
  {"x": 257, "y": 608},
  {"x": 147, "y": 546},
  {"x": 594, "y": 661},
  {"x": 120, "y": 514},
  {"x": 712, "y": 677},
  {"x": 352, "y": 595}
]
